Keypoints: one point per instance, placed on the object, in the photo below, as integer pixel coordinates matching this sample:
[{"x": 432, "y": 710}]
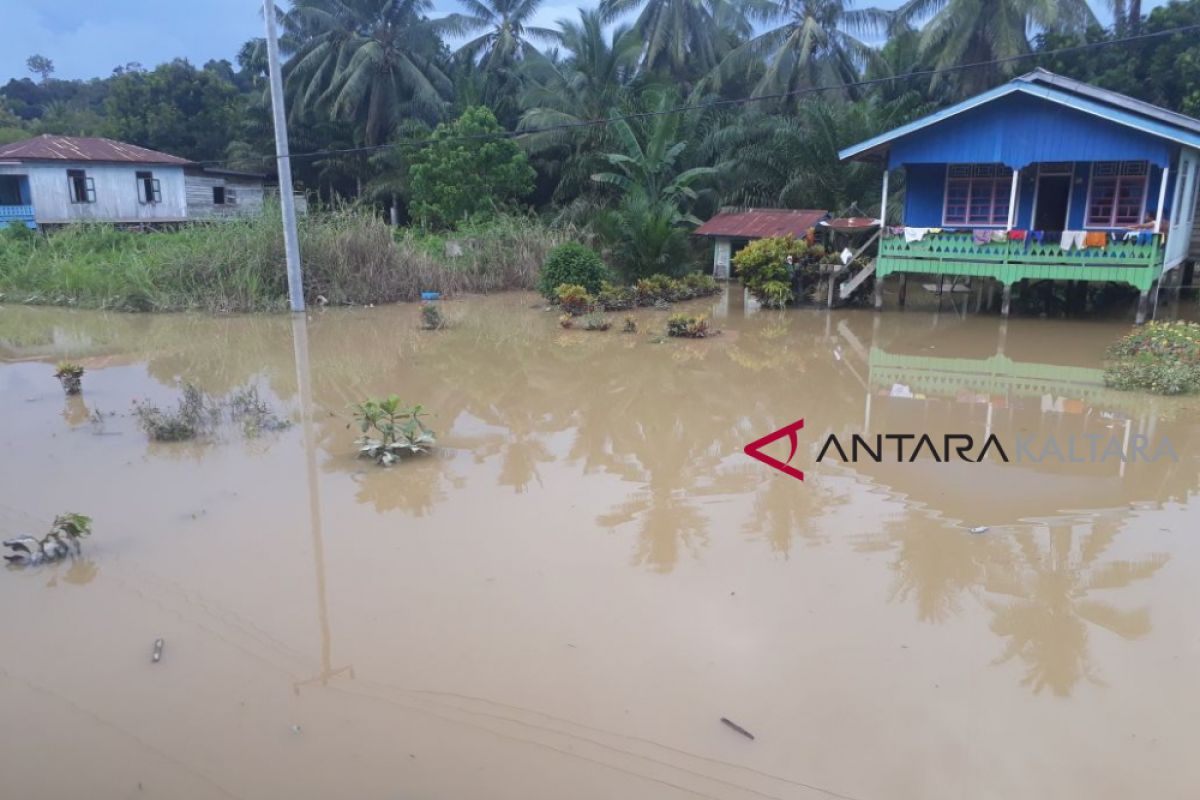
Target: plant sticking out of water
[
  {"x": 1162, "y": 357},
  {"x": 254, "y": 414},
  {"x": 688, "y": 326},
  {"x": 61, "y": 541},
  {"x": 574, "y": 299},
  {"x": 391, "y": 429},
  {"x": 70, "y": 375},
  {"x": 596, "y": 322},
  {"x": 196, "y": 414},
  {"x": 630, "y": 324},
  {"x": 431, "y": 317},
  {"x": 567, "y": 321}
]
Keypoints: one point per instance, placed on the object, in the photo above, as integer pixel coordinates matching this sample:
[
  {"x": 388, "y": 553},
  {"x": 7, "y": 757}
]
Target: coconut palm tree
[
  {"x": 684, "y": 38},
  {"x": 504, "y": 31},
  {"x": 372, "y": 61},
  {"x": 977, "y": 31},
  {"x": 812, "y": 43},
  {"x": 584, "y": 79}
]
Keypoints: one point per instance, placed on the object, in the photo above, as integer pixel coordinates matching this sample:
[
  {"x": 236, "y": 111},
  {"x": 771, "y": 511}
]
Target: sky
[{"x": 88, "y": 38}]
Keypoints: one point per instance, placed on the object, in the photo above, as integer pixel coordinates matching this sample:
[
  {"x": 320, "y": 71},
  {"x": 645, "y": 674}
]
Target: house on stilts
[{"x": 1041, "y": 179}]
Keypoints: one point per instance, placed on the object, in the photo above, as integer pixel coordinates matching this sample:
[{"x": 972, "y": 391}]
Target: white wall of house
[
  {"x": 243, "y": 196},
  {"x": 118, "y": 195}
]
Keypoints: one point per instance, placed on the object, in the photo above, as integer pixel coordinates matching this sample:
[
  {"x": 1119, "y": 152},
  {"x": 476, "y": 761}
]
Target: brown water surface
[{"x": 566, "y": 598}]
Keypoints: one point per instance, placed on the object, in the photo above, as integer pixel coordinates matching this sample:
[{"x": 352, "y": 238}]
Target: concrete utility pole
[{"x": 291, "y": 243}]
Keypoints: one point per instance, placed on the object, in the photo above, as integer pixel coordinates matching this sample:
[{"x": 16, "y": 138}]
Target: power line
[{"x": 720, "y": 103}]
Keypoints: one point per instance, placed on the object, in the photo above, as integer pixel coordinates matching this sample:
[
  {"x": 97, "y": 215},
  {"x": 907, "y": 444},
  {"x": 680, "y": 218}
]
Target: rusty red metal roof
[
  {"x": 760, "y": 223},
  {"x": 49, "y": 147}
]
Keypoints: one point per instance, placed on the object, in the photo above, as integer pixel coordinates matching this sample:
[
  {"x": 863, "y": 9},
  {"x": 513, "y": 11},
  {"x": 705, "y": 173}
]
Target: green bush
[
  {"x": 574, "y": 299},
  {"x": 688, "y": 326},
  {"x": 763, "y": 263},
  {"x": 596, "y": 321},
  {"x": 615, "y": 298},
  {"x": 1161, "y": 357},
  {"x": 574, "y": 264}
]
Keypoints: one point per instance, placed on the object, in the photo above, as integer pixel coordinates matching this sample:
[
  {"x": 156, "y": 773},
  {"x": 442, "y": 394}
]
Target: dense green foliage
[
  {"x": 462, "y": 174},
  {"x": 762, "y": 265},
  {"x": 1161, "y": 357},
  {"x": 572, "y": 263}
]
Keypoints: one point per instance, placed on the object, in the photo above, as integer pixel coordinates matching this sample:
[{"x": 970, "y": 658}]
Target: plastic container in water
[{"x": 431, "y": 295}]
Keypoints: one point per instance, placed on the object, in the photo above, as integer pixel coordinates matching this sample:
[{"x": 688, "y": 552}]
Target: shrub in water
[
  {"x": 574, "y": 299},
  {"x": 763, "y": 263},
  {"x": 688, "y": 326},
  {"x": 431, "y": 317},
  {"x": 567, "y": 321},
  {"x": 596, "y": 322},
  {"x": 196, "y": 414},
  {"x": 572, "y": 264},
  {"x": 70, "y": 375},
  {"x": 615, "y": 298},
  {"x": 63, "y": 537},
  {"x": 1161, "y": 357},
  {"x": 390, "y": 429},
  {"x": 630, "y": 325}
]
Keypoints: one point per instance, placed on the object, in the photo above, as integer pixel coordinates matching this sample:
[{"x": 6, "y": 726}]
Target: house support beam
[
  {"x": 1162, "y": 199},
  {"x": 1006, "y": 300},
  {"x": 878, "y": 293},
  {"x": 883, "y": 201},
  {"x": 1143, "y": 308},
  {"x": 903, "y": 290},
  {"x": 1012, "y": 199}
]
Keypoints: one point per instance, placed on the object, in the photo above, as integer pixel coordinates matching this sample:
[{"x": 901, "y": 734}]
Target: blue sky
[{"x": 87, "y": 38}]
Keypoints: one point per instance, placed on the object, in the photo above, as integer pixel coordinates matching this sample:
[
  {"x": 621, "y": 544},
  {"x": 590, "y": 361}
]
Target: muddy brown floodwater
[{"x": 565, "y": 600}]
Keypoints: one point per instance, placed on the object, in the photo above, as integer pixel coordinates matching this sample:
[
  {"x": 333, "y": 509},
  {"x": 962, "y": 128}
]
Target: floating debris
[
  {"x": 738, "y": 728},
  {"x": 979, "y": 529},
  {"x": 61, "y": 541},
  {"x": 158, "y": 648}
]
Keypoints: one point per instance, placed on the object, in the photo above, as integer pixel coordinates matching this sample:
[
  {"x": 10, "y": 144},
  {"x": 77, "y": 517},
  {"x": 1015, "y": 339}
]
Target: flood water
[{"x": 566, "y": 598}]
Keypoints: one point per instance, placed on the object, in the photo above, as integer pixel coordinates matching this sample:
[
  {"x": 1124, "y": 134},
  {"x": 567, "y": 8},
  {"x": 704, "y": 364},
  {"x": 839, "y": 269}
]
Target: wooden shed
[{"x": 732, "y": 228}]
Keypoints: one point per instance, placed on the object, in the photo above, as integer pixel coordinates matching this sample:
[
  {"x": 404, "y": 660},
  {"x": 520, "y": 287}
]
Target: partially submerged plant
[
  {"x": 1161, "y": 357},
  {"x": 574, "y": 299},
  {"x": 70, "y": 375},
  {"x": 390, "y": 429},
  {"x": 567, "y": 321},
  {"x": 596, "y": 322},
  {"x": 195, "y": 414},
  {"x": 688, "y": 326},
  {"x": 431, "y": 317},
  {"x": 255, "y": 415},
  {"x": 630, "y": 324},
  {"x": 61, "y": 541}
]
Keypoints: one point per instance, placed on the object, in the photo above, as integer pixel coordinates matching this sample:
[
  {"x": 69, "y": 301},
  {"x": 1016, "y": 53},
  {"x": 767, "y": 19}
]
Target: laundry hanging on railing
[{"x": 1073, "y": 239}]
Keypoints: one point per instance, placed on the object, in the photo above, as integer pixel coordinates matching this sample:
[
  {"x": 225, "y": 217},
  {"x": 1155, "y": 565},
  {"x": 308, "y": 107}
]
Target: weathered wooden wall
[
  {"x": 117, "y": 192},
  {"x": 242, "y": 196}
]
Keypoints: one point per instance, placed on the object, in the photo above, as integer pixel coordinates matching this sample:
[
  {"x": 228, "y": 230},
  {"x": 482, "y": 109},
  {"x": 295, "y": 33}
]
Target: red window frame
[{"x": 977, "y": 195}]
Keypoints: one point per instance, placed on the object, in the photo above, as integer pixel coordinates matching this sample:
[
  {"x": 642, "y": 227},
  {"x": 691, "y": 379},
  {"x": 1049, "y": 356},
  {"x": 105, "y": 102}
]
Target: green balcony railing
[{"x": 1010, "y": 261}]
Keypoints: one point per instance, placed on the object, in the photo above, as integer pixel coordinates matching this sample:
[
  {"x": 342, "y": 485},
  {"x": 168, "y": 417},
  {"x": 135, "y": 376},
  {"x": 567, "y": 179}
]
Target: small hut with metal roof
[{"x": 732, "y": 228}]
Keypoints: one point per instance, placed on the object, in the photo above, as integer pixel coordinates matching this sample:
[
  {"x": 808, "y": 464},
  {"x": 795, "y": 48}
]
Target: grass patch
[
  {"x": 349, "y": 256},
  {"x": 1161, "y": 357}
]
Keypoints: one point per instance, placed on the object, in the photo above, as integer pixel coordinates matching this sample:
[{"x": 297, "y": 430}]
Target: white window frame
[
  {"x": 1112, "y": 218},
  {"x": 154, "y": 196},
  {"x": 1001, "y": 189},
  {"x": 89, "y": 187}
]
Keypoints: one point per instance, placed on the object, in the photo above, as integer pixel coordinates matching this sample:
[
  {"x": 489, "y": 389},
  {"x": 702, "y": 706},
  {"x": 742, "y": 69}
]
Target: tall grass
[{"x": 349, "y": 256}]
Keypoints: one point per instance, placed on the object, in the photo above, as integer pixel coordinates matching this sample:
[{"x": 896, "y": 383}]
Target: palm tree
[
  {"x": 814, "y": 44},
  {"x": 505, "y": 28},
  {"x": 373, "y": 61},
  {"x": 684, "y": 38},
  {"x": 1127, "y": 17},
  {"x": 583, "y": 80},
  {"x": 977, "y": 31}
]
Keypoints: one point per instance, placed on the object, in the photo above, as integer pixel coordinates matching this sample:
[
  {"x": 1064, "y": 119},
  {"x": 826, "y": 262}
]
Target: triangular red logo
[{"x": 754, "y": 449}]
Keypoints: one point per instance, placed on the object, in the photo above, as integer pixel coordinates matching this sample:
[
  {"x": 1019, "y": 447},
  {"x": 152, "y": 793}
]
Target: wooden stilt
[
  {"x": 989, "y": 304},
  {"x": 903, "y": 290},
  {"x": 1006, "y": 300},
  {"x": 1143, "y": 308},
  {"x": 878, "y": 293}
]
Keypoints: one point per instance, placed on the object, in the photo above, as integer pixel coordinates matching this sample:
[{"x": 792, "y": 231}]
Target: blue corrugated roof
[{"x": 1109, "y": 112}]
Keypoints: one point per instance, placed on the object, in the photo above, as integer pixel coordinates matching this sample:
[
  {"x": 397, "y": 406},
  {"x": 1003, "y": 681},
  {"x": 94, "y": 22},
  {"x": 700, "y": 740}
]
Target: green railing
[{"x": 1010, "y": 261}]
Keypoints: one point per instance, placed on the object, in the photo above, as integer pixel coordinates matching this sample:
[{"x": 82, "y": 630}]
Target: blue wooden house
[{"x": 1042, "y": 178}]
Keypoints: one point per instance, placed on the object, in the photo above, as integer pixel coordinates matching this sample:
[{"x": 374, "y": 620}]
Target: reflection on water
[{"x": 574, "y": 465}]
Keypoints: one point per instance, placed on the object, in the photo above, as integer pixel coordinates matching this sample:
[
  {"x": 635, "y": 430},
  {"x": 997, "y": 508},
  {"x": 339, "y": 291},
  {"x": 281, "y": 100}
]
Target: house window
[
  {"x": 977, "y": 194},
  {"x": 149, "y": 190},
  {"x": 1117, "y": 196},
  {"x": 218, "y": 195},
  {"x": 82, "y": 188}
]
